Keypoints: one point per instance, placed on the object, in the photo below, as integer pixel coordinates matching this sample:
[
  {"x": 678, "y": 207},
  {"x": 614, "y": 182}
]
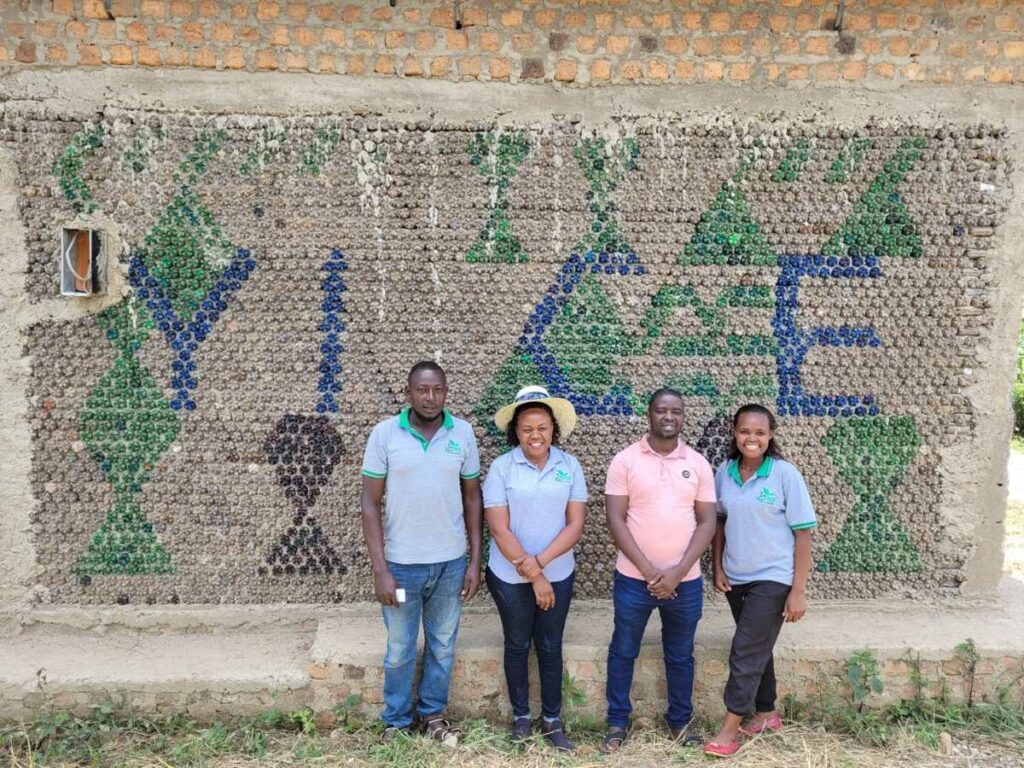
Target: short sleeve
[
  {"x": 375, "y": 457},
  {"x": 471, "y": 463},
  {"x": 616, "y": 483},
  {"x": 705, "y": 481},
  {"x": 799, "y": 508},
  {"x": 495, "y": 486},
  {"x": 579, "y": 483},
  {"x": 721, "y": 475}
]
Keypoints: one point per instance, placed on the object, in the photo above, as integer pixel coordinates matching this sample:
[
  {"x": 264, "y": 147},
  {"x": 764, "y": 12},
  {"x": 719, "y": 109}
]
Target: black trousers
[{"x": 757, "y": 609}]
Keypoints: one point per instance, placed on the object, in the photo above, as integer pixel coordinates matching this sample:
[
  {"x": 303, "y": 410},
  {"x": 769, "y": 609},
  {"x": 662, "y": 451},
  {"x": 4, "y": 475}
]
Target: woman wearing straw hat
[{"x": 535, "y": 500}]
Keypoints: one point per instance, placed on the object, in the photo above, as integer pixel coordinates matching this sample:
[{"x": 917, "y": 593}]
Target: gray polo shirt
[
  {"x": 760, "y": 517},
  {"x": 423, "y": 517},
  {"x": 536, "y": 501}
]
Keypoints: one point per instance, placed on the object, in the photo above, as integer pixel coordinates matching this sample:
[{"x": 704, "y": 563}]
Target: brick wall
[{"x": 575, "y": 42}]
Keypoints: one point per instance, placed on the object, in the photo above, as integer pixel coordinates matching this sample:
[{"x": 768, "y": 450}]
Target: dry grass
[{"x": 799, "y": 746}]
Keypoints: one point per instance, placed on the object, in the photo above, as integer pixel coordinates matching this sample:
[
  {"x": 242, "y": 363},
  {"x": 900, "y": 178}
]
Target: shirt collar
[
  {"x": 679, "y": 452},
  {"x": 764, "y": 470},
  {"x": 403, "y": 421}
]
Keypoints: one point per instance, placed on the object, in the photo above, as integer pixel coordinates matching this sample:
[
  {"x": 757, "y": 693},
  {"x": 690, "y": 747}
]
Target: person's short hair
[
  {"x": 510, "y": 434},
  {"x": 426, "y": 365},
  {"x": 662, "y": 391}
]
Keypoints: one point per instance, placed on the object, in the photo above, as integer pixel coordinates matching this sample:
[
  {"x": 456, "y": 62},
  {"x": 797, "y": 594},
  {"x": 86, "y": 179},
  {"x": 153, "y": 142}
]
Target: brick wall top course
[{"x": 578, "y": 43}]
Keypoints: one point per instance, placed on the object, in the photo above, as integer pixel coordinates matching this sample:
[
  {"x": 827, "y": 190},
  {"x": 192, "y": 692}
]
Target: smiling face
[
  {"x": 665, "y": 416},
  {"x": 427, "y": 391},
  {"x": 752, "y": 433},
  {"x": 536, "y": 430}
]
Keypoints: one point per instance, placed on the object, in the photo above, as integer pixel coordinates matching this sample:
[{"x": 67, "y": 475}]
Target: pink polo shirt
[{"x": 661, "y": 491}]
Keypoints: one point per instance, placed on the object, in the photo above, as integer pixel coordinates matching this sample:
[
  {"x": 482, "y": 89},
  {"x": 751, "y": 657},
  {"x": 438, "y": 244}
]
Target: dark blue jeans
[
  {"x": 679, "y": 617},
  {"x": 433, "y": 593},
  {"x": 522, "y": 622}
]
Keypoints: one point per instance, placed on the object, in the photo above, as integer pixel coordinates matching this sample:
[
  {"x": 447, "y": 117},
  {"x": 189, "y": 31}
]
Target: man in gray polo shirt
[{"x": 427, "y": 462}]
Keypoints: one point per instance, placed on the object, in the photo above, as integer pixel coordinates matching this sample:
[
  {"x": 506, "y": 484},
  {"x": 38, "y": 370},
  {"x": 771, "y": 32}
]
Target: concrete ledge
[{"x": 218, "y": 662}]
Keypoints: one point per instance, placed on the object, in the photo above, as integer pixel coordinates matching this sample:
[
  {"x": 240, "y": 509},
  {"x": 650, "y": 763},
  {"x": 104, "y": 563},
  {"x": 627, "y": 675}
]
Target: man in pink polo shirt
[{"x": 660, "y": 503}]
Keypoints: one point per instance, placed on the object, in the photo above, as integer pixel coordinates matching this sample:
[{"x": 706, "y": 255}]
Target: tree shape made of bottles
[
  {"x": 498, "y": 156},
  {"x": 573, "y": 336},
  {"x": 872, "y": 455},
  {"x": 304, "y": 449},
  {"x": 181, "y": 288}
]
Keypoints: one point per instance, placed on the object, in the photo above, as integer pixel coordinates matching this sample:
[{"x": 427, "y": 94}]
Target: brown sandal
[
  {"x": 614, "y": 738},
  {"x": 439, "y": 728}
]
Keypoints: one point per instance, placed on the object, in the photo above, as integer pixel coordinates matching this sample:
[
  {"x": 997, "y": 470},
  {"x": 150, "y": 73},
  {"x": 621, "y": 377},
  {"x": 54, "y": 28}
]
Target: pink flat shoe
[
  {"x": 722, "y": 750},
  {"x": 773, "y": 723}
]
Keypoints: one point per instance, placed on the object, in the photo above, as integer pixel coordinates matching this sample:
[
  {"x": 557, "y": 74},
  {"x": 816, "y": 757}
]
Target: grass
[
  {"x": 909, "y": 734},
  {"x": 1014, "y": 542}
]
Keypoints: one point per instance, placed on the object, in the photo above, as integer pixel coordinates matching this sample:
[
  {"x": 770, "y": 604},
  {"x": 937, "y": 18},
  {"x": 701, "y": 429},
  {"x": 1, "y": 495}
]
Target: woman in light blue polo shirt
[
  {"x": 761, "y": 556},
  {"x": 535, "y": 501}
]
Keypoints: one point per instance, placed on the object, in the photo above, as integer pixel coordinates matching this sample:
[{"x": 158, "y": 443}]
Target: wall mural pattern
[{"x": 199, "y": 440}]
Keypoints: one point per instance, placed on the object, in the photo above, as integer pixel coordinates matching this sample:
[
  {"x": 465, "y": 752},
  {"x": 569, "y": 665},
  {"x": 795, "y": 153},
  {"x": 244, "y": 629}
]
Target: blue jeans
[
  {"x": 522, "y": 622},
  {"x": 679, "y": 617},
  {"x": 433, "y": 592}
]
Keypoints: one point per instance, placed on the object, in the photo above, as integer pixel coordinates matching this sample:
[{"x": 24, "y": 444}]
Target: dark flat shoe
[
  {"x": 555, "y": 736},
  {"x": 522, "y": 730}
]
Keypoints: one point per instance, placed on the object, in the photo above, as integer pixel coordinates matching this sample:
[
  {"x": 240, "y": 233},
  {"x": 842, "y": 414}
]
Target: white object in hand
[{"x": 400, "y": 595}]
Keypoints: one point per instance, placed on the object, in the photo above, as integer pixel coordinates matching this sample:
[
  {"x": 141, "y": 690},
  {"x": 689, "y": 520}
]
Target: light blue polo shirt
[
  {"x": 423, "y": 517},
  {"x": 536, "y": 501},
  {"x": 760, "y": 517}
]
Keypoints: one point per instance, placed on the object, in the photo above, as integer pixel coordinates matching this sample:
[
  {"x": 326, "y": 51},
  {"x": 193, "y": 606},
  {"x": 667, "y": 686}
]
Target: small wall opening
[{"x": 80, "y": 251}]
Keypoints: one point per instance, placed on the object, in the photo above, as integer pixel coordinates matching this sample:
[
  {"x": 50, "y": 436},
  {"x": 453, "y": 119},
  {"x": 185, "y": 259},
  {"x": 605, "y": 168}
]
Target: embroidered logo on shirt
[
  {"x": 453, "y": 447},
  {"x": 766, "y": 496},
  {"x": 561, "y": 476}
]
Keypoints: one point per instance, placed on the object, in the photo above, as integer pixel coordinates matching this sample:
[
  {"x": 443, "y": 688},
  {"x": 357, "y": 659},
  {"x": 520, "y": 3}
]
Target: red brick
[
  {"x": 364, "y": 38},
  {"x": 685, "y": 70},
  {"x": 600, "y": 69},
  {"x": 239, "y": 10},
  {"x": 1000, "y": 76},
  {"x": 633, "y": 21},
  {"x": 182, "y": 9},
  {"x": 693, "y": 20},
  {"x": 1006, "y": 23},
  {"x": 106, "y": 30},
  {"x": 884, "y": 70},
  {"x": 957, "y": 49},
  {"x": 137, "y": 32},
  {"x": 222, "y": 33},
  {"x": 523, "y": 43},
  {"x": 325, "y": 63},
  {"x": 855, "y": 70},
  {"x": 604, "y": 21},
  {"x": 720, "y": 22},
  {"x": 93, "y": 9},
  {"x": 165, "y": 33},
  {"x": 826, "y": 71},
  {"x": 176, "y": 57},
  {"x": 248, "y": 34},
  {"x": 16, "y": 29},
  {"x": 209, "y": 9},
  {"x": 382, "y": 13},
  {"x": 913, "y": 22},
  {"x": 857, "y": 22},
  {"x": 456, "y": 40},
  {"x": 64, "y": 7},
  {"x": 731, "y": 46},
  {"x": 512, "y": 18},
  {"x": 412, "y": 67},
  {"x": 632, "y": 70},
  {"x": 988, "y": 48},
  {"x": 307, "y": 37},
  {"x": 574, "y": 20},
  {"x": 425, "y": 40},
  {"x": 204, "y": 58},
  {"x": 617, "y": 44},
  {"x": 741, "y": 71},
  {"x": 89, "y": 55},
  {"x": 749, "y": 21},
  {"x": 440, "y": 66},
  {"x": 712, "y": 70},
  {"x": 267, "y": 12},
  {"x": 887, "y": 21},
  {"x": 674, "y": 44},
  {"x": 351, "y": 14},
  {"x": 703, "y": 46},
  {"x": 796, "y": 72},
  {"x": 661, "y": 21},
  {"x": 443, "y": 17},
  {"x": 152, "y": 9},
  {"x": 327, "y": 12},
  {"x": 279, "y": 36},
  {"x": 565, "y": 70},
  {"x": 818, "y": 46},
  {"x": 395, "y": 38},
  {"x": 355, "y": 65},
  {"x": 298, "y": 12},
  {"x": 56, "y": 53},
  {"x": 266, "y": 59},
  {"x": 760, "y": 47},
  {"x": 474, "y": 17},
  {"x": 657, "y": 69},
  {"x": 192, "y": 32},
  {"x": 872, "y": 46},
  {"x": 1014, "y": 49},
  {"x": 75, "y": 30},
  {"x": 334, "y": 36},
  {"x": 805, "y": 22},
  {"x": 234, "y": 58},
  {"x": 45, "y": 29},
  {"x": 778, "y": 23},
  {"x": 469, "y": 66},
  {"x": 297, "y": 62},
  {"x": 149, "y": 57},
  {"x": 501, "y": 69},
  {"x": 121, "y": 55}
]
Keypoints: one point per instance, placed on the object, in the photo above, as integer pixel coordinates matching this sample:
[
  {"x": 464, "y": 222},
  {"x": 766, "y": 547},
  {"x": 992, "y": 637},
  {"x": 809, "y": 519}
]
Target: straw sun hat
[{"x": 564, "y": 413}]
